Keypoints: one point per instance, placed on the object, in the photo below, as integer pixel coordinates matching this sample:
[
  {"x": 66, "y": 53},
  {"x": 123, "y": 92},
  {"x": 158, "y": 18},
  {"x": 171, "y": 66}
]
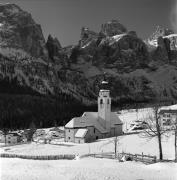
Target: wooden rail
[
  {"x": 34, "y": 157},
  {"x": 139, "y": 157},
  {"x": 134, "y": 157}
]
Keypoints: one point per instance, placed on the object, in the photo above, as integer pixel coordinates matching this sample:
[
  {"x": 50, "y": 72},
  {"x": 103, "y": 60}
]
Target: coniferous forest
[{"x": 20, "y": 106}]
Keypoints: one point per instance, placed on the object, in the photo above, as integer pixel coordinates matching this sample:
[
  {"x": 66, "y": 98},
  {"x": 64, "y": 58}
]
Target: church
[{"x": 95, "y": 125}]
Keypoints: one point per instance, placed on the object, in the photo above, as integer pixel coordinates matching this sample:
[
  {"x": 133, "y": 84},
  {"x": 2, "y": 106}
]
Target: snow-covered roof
[
  {"x": 115, "y": 119},
  {"x": 168, "y": 109},
  {"x": 81, "y": 133},
  {"x": 92, "y": 119},
  {"x": 56, "y": 129},
  {"x": 172, "y": 107},
  {"x": 13, "y": 134},
  {"x": 87, "y": 119},
  {"x": 173, "y": 111}
]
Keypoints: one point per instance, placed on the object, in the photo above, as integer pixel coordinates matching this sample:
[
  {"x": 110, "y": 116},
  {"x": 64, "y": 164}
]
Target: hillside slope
[{"x": 138, "y": 71}]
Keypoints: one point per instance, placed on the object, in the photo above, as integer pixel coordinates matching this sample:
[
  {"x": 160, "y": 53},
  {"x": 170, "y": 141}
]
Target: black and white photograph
[{"x": 88, "y": 89}]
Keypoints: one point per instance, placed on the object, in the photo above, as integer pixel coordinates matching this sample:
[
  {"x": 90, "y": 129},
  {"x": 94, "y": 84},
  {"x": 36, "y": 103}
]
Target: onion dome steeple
[{"x": 104, "y": 83}]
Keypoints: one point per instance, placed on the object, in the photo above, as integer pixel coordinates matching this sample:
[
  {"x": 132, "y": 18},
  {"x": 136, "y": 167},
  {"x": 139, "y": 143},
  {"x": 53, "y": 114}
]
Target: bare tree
[
  {"x": 115, "y": 142},
  {"x": 175, "y": 143},
  {"x": 5, "y": 133},
  {"x": 5, "y": 124},
  {"x": 32, "y": 130},
  {"x": 154, "y": 128}
]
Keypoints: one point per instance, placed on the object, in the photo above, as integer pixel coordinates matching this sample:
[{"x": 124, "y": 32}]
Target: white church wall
[
  {"x": 118, "y": 130},
  {"x": 104, "y": 119},
  {"x": 69, "y": 134},
  {"x": 79, "y": 140},
  {"x": 93, "y": 134},
  {"x": 112, "y": 131}
]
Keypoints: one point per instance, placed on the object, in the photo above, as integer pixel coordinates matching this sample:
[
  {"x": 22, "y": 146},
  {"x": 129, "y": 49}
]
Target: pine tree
[{"x": 32, "y": 130}]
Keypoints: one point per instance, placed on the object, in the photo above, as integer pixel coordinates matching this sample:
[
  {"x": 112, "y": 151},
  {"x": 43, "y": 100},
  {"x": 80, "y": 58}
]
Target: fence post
[
  {"x": 142, "y": 156},
  {"x": 155, "y": 159}
]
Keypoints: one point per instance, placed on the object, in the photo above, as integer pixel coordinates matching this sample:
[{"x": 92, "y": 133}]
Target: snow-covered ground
[
  {"x": 90, "y": 168},
  {"x": 85, "y": 169},
  {"x": 128, "y": 143},
  {"x": 132, "y": 115}
]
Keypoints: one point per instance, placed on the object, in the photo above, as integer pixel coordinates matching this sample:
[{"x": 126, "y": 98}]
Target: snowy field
[
  {"x": 85, "y": 169},
  {"x": 90, "y": 168},
  {"x": 128, "y": 143},
  {"x": 132, "y": 115}
]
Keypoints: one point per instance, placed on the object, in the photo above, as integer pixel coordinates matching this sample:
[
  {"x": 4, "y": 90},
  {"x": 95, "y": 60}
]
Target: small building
[
  {"x": 11, "y": 138},
  {"x": 168, "y": 116},
  {"x": 80, "y": 135},
  {"x": 95, "y": 125}
]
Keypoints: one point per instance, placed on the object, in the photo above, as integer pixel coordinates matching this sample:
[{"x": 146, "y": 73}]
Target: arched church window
[{"x": 108, "y": 101}]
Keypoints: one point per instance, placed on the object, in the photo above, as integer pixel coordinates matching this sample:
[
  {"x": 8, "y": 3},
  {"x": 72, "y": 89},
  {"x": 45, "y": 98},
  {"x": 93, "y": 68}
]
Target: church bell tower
[{"x": 104, "y": 105}]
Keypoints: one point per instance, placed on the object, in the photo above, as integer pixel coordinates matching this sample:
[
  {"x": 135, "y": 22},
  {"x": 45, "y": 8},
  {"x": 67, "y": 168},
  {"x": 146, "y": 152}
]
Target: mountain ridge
[
  {"x": 138, "y": 71},
  {"x": 113, "y": 49}
]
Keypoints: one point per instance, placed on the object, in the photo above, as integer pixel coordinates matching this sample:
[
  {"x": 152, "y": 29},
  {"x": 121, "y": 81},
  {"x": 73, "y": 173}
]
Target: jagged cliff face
[
  {"x": 162, "y": 45},
  {"x": 113, "y": 28},
  {"x": 137, "y": 70},
  {"x": 23, "y": 54},
  {"x": 18, "y": 30}
]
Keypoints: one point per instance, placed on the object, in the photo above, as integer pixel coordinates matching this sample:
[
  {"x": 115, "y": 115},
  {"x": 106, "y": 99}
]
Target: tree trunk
[
  {"x": 160, "y": 147},
  {"x": 115, "y": 146},
  {"x": 115, "y": 150},
  {"x": 158, "y": 134},
  {"x": 175, "y": 145},
  {"x": 176, "y": 140},
  {"x": 5, "y": 139}
]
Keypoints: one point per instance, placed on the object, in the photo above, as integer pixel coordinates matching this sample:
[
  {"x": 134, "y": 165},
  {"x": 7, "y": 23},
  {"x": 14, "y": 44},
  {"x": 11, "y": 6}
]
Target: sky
[{"x": 65, "y": 18}]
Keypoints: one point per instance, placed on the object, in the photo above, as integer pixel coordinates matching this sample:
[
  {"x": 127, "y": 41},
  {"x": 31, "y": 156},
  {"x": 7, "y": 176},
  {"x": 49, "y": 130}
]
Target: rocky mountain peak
[
  {"x": 160, "y": 31},
  {"x": 112, "y": 28},
  {"x": 76, "y": 70},
  {"x": 10, "y": 8},
  {"x": 87, "y": 35},
  {"x": 18, "y": 30},
  {"x": 53, "y": 46}
]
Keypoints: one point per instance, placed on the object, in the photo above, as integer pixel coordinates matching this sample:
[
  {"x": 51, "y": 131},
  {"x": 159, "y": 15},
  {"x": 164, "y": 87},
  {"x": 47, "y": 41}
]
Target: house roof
[
  {"x": 173, "y": 111},
  {"x": 13, "y": 134},
  {"x": 172, "y": 107},
  {"x": 56, "y": 129},
  {"x": 81, "y": 133},
  {"x": 91, "y": 119},
  {"x": 115, "y": 119}
]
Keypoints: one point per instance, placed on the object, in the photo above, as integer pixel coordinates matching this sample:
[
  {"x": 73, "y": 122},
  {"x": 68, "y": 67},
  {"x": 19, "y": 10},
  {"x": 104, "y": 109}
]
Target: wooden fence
[
  {"x": 15, "y": 144},
  {"x": 148, "y": 159},
  {"x": 109, "y": 155},
  {"x": 34, "y": 157},
  {"x": 138, "y": 157}
]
